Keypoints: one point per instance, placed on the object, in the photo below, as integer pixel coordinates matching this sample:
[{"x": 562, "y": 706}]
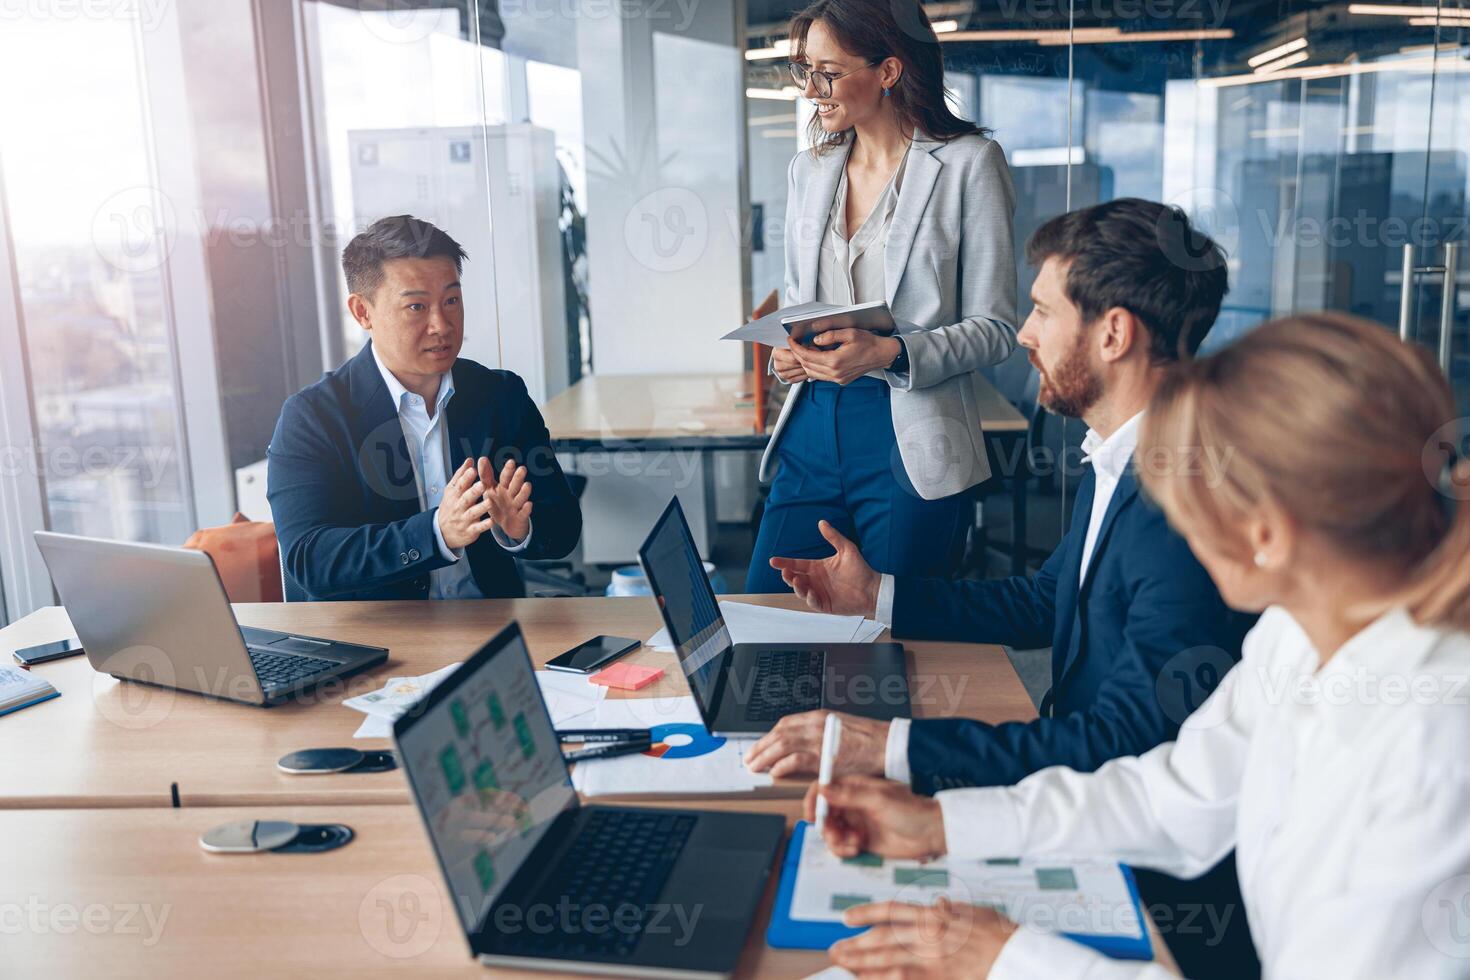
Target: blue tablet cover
[{"x": 785, "y": 932}]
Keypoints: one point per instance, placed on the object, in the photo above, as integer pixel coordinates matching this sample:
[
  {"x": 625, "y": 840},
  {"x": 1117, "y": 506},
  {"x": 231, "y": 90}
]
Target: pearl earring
[{"x": 1260, "y": 559}]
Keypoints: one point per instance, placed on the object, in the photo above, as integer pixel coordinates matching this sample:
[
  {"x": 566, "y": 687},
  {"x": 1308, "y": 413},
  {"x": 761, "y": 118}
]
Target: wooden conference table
[
  {"x": 106, "y": 743},
  {"x": 129, "y": 893},
  {"x": 104, "y": 875}
]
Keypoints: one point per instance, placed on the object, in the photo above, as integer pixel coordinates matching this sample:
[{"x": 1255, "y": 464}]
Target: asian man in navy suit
[
  {"x": 1138, "y": 632},
  {"x": 409, "y": 472}
]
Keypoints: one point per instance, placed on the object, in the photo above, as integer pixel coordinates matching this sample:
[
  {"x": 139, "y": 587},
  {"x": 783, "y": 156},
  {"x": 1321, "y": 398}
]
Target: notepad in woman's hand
[{"x": 21, "y": 689}]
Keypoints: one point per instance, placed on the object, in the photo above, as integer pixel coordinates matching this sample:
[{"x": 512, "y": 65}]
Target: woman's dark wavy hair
[{"x": 879, "y": 29}]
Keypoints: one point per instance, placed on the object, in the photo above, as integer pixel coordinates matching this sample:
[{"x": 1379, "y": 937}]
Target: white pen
[{"x": 831, "y": 741}]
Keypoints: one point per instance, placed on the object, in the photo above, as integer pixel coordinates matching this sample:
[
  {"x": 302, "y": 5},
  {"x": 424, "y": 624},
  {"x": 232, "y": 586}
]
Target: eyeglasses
[{"x": 821, "y": 80}]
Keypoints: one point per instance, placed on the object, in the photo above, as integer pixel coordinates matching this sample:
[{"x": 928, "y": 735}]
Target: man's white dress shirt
[
  {"x": 1109, "y": 458},
  {"x": 1344, "y": 790},
  {"x": 428, "y": 449}
]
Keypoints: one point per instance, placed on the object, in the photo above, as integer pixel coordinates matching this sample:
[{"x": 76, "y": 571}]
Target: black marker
[{"x": 607, "y": 751}]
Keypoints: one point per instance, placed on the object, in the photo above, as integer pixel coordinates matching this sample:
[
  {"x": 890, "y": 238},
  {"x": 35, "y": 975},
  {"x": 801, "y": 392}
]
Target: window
[{"x": 89, "y": 231}]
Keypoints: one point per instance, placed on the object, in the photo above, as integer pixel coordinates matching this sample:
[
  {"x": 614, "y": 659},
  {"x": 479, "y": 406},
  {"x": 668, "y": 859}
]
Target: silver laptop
[{"x": 160, "y": 615}]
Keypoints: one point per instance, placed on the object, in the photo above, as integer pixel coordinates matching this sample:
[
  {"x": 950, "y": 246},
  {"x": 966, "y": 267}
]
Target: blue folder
[{"x": 785, "y": 932}]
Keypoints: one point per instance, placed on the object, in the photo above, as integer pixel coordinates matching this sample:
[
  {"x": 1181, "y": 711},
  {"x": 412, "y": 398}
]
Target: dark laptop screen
[
  {"x": 486, "y": 771},
  {"x": 686, "y": 600}
]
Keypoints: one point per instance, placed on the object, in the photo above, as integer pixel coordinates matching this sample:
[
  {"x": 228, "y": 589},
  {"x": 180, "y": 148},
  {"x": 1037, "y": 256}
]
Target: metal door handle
[
  {"x": 1406, "y": 293},
  {"x": 1447, "y": 305},
  {"x": 1411, "y": 271}
]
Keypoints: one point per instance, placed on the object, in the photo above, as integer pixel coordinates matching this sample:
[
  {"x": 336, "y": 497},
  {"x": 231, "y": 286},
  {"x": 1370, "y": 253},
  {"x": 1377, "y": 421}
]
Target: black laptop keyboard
[
  {"x": 786, "y": 681},
  {"x": 608, "y": 881},
  {"x": 283, "y": 669}
]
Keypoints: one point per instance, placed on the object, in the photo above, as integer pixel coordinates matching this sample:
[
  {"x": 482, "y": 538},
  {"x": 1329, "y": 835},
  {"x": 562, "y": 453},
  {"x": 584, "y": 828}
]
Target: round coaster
[
  {"x": 315, "y": 761},
  {"x": 249, "y": 836},
  {"x": 314, "y": 838},
  {"x": 377, "y": 760}
]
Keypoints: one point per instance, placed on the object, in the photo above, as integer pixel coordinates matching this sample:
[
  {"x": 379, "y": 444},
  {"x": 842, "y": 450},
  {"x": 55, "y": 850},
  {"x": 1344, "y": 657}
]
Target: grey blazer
[{"x": 949, "y": 267}]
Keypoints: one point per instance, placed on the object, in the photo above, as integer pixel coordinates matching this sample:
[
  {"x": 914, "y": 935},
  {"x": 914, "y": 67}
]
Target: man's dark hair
[
  {"x": 401, "y": 236},
  {"x": 1144, "y": 257}
]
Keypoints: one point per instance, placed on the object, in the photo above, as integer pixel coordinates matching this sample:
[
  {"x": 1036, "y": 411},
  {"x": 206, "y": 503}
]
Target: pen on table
[
  {"x": 607, "y": 751},
  {"x": 831, "y": 741},
  {"x": 566, "y": 735}
]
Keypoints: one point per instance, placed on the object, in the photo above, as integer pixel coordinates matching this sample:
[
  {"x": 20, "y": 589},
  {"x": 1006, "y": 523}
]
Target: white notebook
[{"x": 21, "y": 689}]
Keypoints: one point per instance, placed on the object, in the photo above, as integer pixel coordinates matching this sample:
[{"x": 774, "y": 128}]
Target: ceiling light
[
  {"x": 1427, "y": 65},
  {"x": 779, "y": 49},
  {"x": 1391, "y": 9},
  {"x": 1134, "y": 37},
  {"x": 945, "y": 26},
  {"x": 1271, "y": 54},
  {"x": 788, "y": 94},
  {"x": 1289, "y": 60}
]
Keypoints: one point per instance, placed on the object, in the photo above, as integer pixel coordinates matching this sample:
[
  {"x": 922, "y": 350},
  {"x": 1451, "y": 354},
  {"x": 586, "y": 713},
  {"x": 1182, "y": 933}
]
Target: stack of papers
[
  {"x": 1086, "y": 897},
  {"x": 684, "y": 757},
  {"x": 764, "y": 624},
  {"x": 569, "y": 699}
]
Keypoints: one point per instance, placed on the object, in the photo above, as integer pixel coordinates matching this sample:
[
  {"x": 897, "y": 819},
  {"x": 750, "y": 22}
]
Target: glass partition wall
[
  {"x": 617, "y": 174},
  {"x": 1323, "y": 144}
]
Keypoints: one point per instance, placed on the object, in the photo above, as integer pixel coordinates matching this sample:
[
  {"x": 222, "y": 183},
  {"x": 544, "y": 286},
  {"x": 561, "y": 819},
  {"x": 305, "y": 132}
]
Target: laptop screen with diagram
[{"x": 486, "y": 770}]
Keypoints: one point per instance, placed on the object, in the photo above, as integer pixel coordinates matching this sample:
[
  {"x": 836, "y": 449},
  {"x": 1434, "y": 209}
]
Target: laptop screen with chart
[{"x": 484, "y": 763}]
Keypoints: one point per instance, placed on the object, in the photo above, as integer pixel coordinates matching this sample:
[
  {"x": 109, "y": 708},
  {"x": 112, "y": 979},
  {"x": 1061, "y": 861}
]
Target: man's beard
[{"x": 1073, "y": 388}]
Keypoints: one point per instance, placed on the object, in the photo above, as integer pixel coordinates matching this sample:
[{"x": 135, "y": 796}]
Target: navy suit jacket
[
  {"x": 346, "y": 501},
  {"x": 1136, "y": 647}
]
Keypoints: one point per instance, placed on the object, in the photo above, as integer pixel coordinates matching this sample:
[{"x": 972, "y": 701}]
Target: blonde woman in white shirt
[{"x": 1305, "y": 465}]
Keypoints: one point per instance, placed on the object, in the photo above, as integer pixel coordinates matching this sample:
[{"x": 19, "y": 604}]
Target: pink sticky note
[{"x": 628, "y": 677}]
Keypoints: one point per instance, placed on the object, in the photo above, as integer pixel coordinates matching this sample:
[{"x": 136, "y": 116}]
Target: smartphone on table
[
  {"x": 42, "y": 652},
  {"x": 595, "y": 653}
]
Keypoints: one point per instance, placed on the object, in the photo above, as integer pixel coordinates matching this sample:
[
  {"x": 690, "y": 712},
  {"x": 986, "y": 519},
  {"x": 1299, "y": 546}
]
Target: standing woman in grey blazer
[{"x": 898, "y": 200}]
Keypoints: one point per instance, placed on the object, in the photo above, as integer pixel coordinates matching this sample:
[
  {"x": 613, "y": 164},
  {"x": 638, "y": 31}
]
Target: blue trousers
[{"x": 839, "y": 462}]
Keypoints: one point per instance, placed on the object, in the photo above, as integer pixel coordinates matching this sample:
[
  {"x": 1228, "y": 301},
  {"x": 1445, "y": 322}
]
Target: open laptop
[
  {"x": 540, "y": 881},
  {"x": 160, "y": 616},
  {"x": 745, "y": 688}
]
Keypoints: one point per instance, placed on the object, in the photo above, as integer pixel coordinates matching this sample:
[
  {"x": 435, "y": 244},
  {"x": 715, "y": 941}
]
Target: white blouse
[
  {"x": 851, "y": 271},
  {"x": 1345, "y": 792}
]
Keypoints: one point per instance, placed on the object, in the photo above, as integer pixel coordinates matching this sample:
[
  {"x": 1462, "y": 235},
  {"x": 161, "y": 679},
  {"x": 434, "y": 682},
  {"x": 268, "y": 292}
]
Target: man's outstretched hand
[
  {"x": 508, "y": 497},
  {"x": 844, "y": 584}
]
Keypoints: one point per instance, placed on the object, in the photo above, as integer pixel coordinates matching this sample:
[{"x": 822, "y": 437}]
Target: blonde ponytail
[{"x": 1440, "y": 591}]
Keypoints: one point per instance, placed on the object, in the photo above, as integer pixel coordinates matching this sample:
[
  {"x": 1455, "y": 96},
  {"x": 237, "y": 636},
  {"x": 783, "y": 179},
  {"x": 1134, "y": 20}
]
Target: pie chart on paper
[{"x": 681, "y": 740}]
